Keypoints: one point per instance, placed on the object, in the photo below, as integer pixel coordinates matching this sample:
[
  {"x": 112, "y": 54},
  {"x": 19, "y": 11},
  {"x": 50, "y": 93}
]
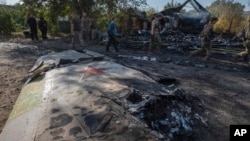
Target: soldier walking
[
  {"x": 205, "y": 37},
  {"x": 111, "y": 33},
  {"x": 246, "y": 41}
]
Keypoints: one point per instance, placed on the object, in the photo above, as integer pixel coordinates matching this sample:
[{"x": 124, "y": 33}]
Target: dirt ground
[{"x": 221, "y": 84}]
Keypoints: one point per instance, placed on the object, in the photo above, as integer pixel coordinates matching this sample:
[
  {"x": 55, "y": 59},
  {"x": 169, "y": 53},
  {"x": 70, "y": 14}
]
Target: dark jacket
[
  {"x": 42, "y": 24},
  {"x": 32, "y": 22}
]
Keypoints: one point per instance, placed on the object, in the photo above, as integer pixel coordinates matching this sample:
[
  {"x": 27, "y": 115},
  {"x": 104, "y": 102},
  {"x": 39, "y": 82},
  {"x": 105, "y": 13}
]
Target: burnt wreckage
[
  {"x": 180, "y": 31},
  {"x": 174, "y": 23},
  {"x": 187, "y": 22}
]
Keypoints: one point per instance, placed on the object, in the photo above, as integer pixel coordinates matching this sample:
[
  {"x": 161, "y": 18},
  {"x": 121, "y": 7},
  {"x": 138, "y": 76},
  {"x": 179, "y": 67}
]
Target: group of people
[
  {"x": 206, "y": 36},
  {"x": 83, "y": 29},
  {"x": 42, "y": 25}
]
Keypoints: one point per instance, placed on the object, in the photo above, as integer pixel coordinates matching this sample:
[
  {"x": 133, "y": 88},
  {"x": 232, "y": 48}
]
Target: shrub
[{"x": 5, "y": 22}]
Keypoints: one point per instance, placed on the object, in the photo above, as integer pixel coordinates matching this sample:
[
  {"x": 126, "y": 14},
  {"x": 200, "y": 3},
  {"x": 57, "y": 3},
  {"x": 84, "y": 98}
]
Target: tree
[
  {"x": 169, "y": 5},
  {"x": 6, "y": 21},
  {"x": 229, "y": 13},
  {"x": 150, "y": 11},
  {"x": 97, "y": 9},
  {"x": 18, "y": 15}
]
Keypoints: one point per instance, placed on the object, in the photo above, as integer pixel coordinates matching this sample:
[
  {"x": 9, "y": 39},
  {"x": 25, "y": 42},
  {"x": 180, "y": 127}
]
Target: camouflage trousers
[
  {"x": 93, "y": 34},
  {"x": 245, "y": 53},
  {"x": 155, "y": 41},
  {"x": 205, "y": 46},
  {"x": 86, "y": 34},
  {"x": 77, "y": 36}
]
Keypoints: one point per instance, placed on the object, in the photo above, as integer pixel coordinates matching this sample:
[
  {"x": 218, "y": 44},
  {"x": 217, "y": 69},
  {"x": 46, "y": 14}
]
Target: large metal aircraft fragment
[{"x": 98, "y": 99}]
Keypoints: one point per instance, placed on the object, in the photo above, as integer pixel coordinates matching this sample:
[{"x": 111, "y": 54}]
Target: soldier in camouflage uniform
[
  {"x": 86, "y": 27},
  {"x": 93, "y": 29},
  {"x": 246, "y": 41},
  {"x": 75, "y": 27},
  {"x": 205, "y": 37},
  {"x": 155, "y": 33}
]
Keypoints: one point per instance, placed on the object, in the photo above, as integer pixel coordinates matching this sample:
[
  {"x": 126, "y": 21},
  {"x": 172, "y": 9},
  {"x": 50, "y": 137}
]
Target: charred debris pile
[
  {"x": 180, "y": 31},
  {"x": 172, "y": 116},
  {"x": 179, "y": 41}
]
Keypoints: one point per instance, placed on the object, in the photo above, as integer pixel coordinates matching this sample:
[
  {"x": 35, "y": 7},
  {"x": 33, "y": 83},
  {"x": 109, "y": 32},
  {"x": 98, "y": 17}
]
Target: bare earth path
[{"x": 222, "y": 85}]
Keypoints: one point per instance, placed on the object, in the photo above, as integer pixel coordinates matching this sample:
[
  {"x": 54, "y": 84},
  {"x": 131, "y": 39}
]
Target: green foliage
[
  {"x": 169, "y": 5},
  {"x": 229, "y": 13},
  {"x": 150, "y": 12},
  {"x": 6, "y": 21},
  {"x": 13, "y": 19},
  {"x": 102, "y": 10},
  {"x": 18, "y": 17},
  {"x": 18, "y": 27},
  {"x": 102, "y": 23}
]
